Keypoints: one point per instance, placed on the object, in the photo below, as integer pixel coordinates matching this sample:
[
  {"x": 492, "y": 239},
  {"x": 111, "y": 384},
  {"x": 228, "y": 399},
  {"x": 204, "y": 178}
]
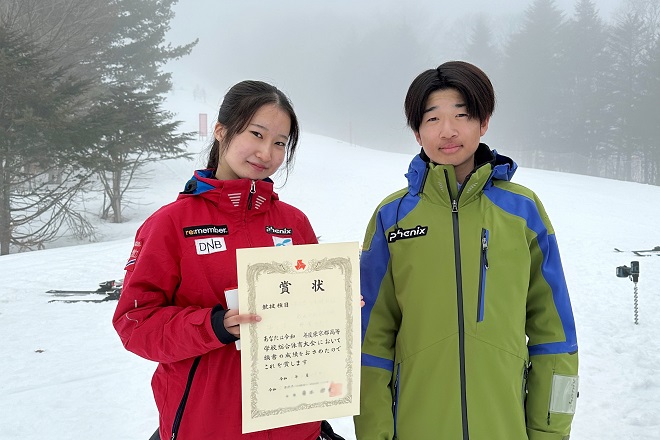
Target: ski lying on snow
[
  {"x": 101, "y": 297},
  {"x": 642, "y": 252},
  {"x": 55, "y": 292},
  {"x": 111, "y": 287},
  {"x": 106, "y": 299}
]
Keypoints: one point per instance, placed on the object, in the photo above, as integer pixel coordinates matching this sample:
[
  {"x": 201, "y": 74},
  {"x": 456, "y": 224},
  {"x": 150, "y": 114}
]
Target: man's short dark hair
[{"x": 472, "y": 83}]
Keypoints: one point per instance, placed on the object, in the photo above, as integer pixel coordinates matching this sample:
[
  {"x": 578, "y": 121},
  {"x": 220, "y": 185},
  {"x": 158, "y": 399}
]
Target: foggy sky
[{"x": 345, "y": 64}]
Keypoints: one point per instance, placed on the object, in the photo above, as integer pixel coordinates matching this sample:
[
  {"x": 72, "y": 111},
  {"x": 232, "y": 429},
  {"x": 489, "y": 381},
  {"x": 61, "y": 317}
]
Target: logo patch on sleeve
[
  {"x": 210, "y": 245},
  {"x": 401, "y": 234},
  {"x": 282, "y": 241},
  {"x": 202, "y": 230},
  {"x": 137, "y": 247},
  {"x": 563, "y": 395}
]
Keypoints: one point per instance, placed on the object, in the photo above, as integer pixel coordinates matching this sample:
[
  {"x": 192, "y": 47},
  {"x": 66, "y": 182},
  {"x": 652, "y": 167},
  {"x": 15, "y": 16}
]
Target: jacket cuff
[
  {"x": 218, "y": 324},
  {"x": 540, "y": 435}
]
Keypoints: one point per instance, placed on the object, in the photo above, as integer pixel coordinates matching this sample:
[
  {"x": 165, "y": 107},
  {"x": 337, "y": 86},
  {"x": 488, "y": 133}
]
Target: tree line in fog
[
  {"x": 575, "y": 92},
  {"x": 579, "y": 94}
]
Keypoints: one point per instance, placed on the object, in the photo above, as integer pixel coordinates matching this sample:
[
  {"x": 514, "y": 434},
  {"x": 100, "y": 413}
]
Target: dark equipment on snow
[
  {"x": 110, "y": 289},
  {"x": 631, "y": 272}
]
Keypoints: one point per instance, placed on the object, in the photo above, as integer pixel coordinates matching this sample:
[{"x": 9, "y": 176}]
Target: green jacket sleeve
[
  {"x": 553, "y": 377},
  {"x": 381, "y": 318}
]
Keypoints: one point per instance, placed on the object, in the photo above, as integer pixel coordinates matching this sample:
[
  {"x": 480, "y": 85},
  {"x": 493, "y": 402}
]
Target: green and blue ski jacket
[{"x": 467, "y": 331}]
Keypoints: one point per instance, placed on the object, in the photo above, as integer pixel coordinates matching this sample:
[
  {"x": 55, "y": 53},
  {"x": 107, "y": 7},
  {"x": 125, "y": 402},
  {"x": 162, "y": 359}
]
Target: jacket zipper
[
  {"x": 483, "y": 264},
  {"x": 459, "y": 299},
  {"x": 253, "y": 189},
  {"x": 182, "y": 405},
  {"x": 524, "y": 384}
]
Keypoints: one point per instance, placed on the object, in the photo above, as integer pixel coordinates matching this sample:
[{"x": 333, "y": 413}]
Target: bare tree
[
  {"x": 41, "y": 210},
  {"x": 134, "y": 131}
]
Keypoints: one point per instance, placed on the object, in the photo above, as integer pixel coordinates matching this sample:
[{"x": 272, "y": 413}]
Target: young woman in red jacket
[{"x": 172, "y": 309}]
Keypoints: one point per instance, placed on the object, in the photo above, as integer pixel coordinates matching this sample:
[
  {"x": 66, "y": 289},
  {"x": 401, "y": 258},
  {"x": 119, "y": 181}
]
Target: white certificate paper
[
  {"x": 301, "y": 363},
  {"x": 231, "y": 296}
]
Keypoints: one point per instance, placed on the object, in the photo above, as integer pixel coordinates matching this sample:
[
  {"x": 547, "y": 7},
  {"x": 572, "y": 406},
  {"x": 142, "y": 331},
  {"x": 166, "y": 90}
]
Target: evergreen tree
[
  {"x": 137, "y": 51},
  {"x": 481, "y": 49},
  {"x": 628, "y": 45},
  {"x": 136, "y": 129},
  {"x": 41, "y": 139},
  {"x": 529, "y": 100},
  {"x": 650, "y": 117},
  {"x": 648, "y": 13},
  {"x": 110, "y": 124},
  {"x": 583, "y": 92}
]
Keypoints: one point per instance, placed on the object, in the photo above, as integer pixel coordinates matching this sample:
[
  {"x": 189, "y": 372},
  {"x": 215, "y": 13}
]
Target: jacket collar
[
  {"x": 440, "y": 180},
  {"x": 238, "y": 194}
]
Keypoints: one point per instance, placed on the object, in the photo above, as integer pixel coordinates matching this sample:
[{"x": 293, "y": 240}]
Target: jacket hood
[
  {"x": 502, "y": 167},
  {"x": 200, "y": 182}
]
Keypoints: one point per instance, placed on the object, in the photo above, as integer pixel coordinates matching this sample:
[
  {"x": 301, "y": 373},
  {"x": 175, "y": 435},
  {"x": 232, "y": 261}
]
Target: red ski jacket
[{"x": 183, "y": 260}]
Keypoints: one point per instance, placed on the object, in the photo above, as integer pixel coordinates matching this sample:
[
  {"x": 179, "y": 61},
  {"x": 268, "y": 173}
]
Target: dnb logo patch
[
  {"x": 137, "y": 247},
  {"x": 211, "y": 245},
  {"x": 282, "y": 241}
]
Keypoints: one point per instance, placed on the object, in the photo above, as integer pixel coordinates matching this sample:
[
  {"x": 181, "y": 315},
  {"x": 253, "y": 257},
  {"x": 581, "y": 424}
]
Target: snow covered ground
[{"x": 65, "y": 375}]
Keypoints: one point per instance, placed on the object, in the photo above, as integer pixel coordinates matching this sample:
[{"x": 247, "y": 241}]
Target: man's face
[{"x": 448, "y": 135}]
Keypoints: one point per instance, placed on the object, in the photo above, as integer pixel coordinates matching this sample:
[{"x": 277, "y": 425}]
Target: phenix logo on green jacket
[{"x": 467, "y": 331}]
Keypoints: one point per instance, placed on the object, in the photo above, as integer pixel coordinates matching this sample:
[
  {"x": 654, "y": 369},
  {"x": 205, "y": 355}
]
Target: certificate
[{"x": 301, "y": 362}]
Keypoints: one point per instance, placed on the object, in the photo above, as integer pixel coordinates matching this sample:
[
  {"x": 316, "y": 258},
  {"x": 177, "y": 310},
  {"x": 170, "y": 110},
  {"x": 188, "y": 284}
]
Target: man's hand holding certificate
[{"x": 301, "y": 363}]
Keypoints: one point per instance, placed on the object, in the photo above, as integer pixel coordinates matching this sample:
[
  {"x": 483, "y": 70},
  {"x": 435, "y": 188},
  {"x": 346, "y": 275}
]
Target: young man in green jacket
[{"x": 467, "y": 331}]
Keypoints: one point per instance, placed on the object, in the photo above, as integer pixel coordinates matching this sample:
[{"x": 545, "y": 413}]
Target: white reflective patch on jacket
[{"x": 563, "y": 396}]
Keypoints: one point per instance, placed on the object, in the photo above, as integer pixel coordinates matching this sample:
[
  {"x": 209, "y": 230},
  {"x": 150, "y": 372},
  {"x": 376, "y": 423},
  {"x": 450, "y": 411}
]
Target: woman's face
[{"x": 258, "y": 151}]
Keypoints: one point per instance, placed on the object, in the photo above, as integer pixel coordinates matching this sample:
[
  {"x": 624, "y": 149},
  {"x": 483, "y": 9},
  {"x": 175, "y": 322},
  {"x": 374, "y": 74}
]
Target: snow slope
[{"x": 65, "y": 375}]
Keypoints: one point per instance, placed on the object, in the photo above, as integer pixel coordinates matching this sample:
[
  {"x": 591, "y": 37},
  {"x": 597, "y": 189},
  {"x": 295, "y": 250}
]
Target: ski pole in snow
[{"x": 631, "y": 272}]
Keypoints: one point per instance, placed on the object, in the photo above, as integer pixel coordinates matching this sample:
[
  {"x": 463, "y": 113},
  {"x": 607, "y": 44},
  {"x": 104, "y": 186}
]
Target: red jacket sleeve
[{"x": 146, "y": 320}]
